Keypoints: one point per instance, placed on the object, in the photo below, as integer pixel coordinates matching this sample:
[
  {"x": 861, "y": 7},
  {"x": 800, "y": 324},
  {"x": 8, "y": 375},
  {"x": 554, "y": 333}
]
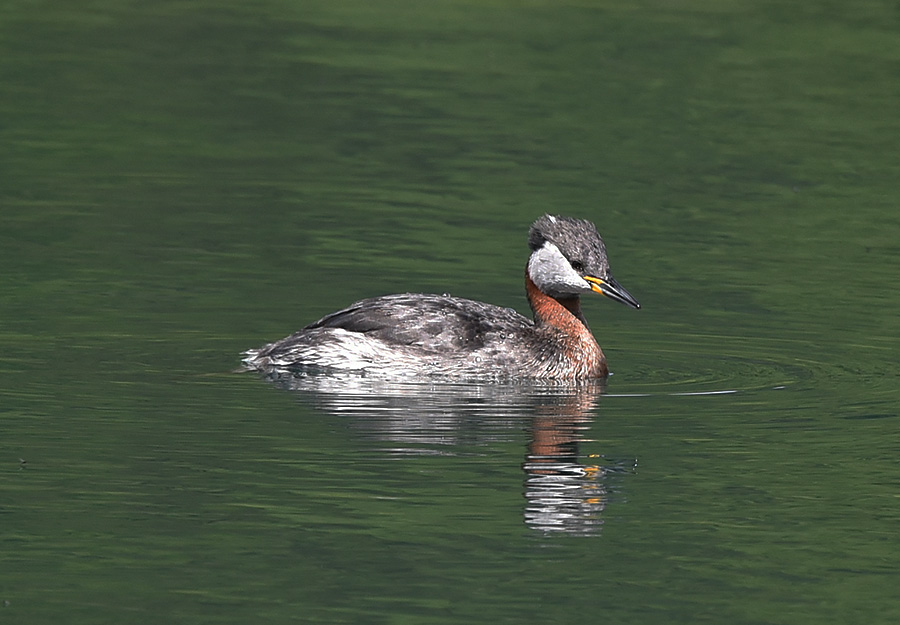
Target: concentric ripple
[
  {"x": 707, "y": 374},
  {"x": 700, "y": 364}
]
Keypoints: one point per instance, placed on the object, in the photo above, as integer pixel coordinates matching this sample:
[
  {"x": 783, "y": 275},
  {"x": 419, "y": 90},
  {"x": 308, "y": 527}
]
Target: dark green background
[{"x": 180, "y": 181}]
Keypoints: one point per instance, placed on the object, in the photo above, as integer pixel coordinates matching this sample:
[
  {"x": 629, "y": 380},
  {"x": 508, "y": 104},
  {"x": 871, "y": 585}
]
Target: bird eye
[{"x": 577, "y": 265}]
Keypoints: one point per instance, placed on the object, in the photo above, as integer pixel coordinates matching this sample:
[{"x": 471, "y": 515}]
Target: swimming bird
[{"x": 415, "y": 334}]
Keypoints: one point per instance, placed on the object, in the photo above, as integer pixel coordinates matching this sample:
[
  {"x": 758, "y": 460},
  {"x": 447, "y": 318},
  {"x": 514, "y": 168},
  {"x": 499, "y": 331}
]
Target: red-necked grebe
[{"x": 439, "y": 335}]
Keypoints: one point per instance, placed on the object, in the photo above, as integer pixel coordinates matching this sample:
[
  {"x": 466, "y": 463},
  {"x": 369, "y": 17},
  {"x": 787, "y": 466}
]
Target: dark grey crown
[{"x": 577, "y": 239}]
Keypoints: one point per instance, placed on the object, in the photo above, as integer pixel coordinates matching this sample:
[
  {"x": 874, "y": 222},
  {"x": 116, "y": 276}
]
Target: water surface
[{"x": 180, "y": 182}]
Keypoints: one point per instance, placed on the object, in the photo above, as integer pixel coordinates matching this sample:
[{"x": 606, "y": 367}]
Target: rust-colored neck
[
  {"x": 554, "y": 310},
  {"x": 579, "y": 355}
]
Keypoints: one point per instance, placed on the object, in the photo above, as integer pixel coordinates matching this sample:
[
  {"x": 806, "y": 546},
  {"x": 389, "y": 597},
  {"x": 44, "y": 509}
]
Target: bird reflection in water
[{"x": 563, "y": 493}]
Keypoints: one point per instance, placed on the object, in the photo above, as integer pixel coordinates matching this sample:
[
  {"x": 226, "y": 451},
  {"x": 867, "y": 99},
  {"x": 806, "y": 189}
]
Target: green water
[{"x": 183, "y": 181}]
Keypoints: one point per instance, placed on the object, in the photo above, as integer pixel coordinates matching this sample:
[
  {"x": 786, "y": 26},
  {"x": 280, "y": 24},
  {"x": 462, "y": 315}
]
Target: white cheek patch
[{"x": 553, "y": 274}]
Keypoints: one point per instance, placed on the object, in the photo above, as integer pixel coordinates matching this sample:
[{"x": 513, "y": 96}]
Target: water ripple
[{"x": 673, "y": 373}]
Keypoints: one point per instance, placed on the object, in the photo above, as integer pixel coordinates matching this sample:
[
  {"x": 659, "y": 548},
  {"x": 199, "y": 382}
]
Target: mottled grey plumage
[
  {"x": 561, "y": 231},
  {"x": 417, "y": 334}
]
